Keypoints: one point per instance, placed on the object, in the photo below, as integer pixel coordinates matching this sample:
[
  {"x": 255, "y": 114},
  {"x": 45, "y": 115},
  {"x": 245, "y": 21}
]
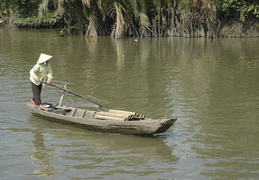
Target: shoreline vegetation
[{"x": 124, "y": 18}]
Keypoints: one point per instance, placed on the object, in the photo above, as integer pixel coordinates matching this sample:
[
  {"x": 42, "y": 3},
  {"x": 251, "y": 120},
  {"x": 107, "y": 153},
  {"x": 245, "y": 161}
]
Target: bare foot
[
  {"x": 41, "y": 107},
  {"x": 33, "y": 103}
]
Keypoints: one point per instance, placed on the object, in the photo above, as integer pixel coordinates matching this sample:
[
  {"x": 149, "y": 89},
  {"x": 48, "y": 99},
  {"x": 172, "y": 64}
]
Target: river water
[{"x": 211, "y": 86}]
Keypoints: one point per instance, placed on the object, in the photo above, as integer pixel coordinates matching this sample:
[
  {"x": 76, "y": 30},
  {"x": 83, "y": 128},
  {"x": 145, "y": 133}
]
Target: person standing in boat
[{"x": 41, "y": 72}]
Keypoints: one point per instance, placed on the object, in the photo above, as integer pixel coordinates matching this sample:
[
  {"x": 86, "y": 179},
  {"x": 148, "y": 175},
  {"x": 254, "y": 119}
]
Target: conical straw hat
[{"x": 43, "y": 57}]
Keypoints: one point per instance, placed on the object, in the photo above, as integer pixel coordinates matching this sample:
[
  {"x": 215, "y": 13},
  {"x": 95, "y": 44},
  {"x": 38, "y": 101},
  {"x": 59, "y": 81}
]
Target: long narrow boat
[{"x": 112, "y": 121}]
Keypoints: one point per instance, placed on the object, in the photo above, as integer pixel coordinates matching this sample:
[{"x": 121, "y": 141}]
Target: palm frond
[
  {"x": 92, "y": 27},
  {"x": 144, "y": 24},
  {"x": 60, "y": 8},
  {"x": 119, "y": 24},
  {"x": 87, "y": 3},
  {"x": 134, "y": 6},
  {"x": 43, "y": 8}
]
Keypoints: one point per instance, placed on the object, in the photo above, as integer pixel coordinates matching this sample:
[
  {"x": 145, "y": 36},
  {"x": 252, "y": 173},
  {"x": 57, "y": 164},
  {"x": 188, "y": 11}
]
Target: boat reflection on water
[
  {"x": 43, "y": 155},
  {"x": 55, "y": 142}
]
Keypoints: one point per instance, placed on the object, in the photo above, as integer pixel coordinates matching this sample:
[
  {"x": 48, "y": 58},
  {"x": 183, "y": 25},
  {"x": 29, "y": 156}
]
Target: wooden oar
[{"x": 78, "y": 95}]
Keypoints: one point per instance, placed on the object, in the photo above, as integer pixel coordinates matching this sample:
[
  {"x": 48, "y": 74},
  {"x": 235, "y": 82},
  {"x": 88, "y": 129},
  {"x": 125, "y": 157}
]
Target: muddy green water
[{"x": 212, "y": 86}]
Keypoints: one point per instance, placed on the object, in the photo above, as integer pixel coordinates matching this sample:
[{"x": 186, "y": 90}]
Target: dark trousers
[{"x": 36, "y": 91}]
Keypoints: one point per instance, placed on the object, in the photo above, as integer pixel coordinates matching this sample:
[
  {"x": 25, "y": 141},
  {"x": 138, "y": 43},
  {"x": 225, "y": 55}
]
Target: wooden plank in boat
[
  {"x": 98, "y": 116},
  {"x": 121, "y": 112},
  {"x": 115, "y": 114}
]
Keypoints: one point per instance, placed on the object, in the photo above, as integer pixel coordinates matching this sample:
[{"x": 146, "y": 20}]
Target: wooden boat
[{"x": 112, "y": 121}]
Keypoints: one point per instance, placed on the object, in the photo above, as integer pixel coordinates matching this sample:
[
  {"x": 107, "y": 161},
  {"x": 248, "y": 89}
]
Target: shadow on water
[{"x": 54, "y": 141}]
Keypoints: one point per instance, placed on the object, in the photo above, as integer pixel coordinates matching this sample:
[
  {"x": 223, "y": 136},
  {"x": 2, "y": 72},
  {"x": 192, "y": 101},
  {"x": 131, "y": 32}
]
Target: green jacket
[{"x": 44, "y": 73}]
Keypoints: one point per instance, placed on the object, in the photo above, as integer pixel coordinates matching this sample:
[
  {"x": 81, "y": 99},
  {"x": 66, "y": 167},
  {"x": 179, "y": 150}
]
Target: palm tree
[{"x": 137, "y": 17}]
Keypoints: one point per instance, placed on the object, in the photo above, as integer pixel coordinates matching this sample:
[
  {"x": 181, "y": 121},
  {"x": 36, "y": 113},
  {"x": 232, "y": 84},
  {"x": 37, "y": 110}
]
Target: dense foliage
[{"x": 188, "y": 18}]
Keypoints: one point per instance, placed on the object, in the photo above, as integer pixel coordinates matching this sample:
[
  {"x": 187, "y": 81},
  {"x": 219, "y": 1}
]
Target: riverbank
[
  {"x": 234, "y": 28},
  {"x": 228, "y": 29},
  {"x": 179, "y": 24}
]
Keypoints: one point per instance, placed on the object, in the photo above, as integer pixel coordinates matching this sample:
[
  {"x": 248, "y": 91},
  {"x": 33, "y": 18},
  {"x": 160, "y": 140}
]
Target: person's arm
[{"x": 33, "y": 75}]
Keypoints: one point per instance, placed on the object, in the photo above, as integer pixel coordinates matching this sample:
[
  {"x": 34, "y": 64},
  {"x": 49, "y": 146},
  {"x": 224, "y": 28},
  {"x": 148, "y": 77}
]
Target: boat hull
[{"x": 92, "y": 120}]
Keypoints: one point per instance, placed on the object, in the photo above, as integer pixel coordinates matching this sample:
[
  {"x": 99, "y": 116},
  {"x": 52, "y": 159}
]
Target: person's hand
[
  {"x": 37, "y": 79},
  {"x": 48, "y": 82}
]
